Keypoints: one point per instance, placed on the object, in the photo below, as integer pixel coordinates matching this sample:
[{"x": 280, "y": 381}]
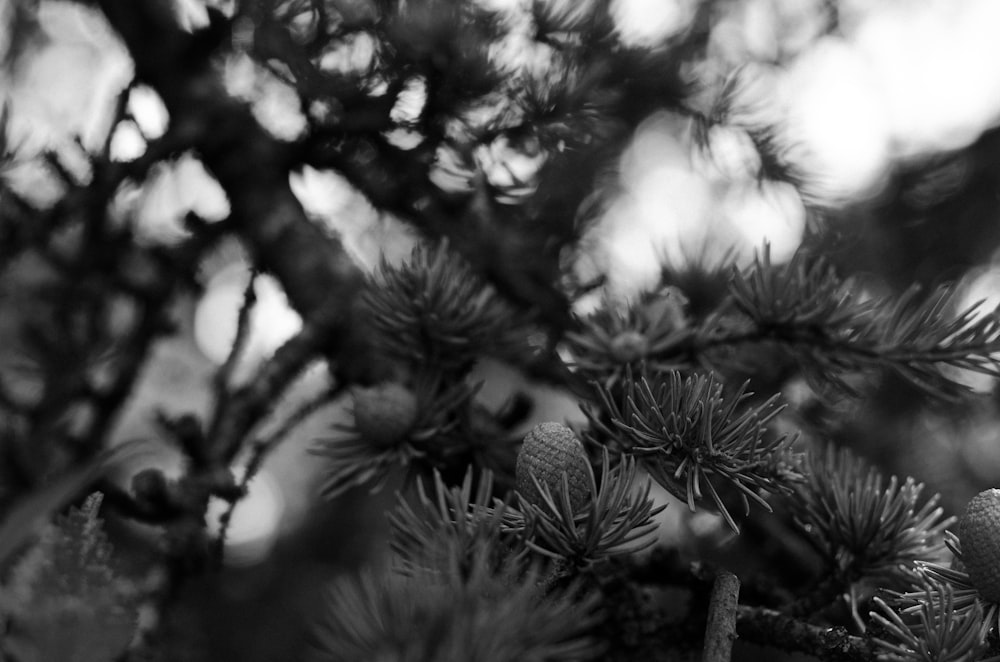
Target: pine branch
[
  {"x": 772, "y": 628},
  {"x": 861, "y": 523},
  {"x": 252, "y": 168},
  {"x": 450, "y": 524},
  {"x": 832, "y": 329},
  {"x": 646, "y": 334},
  {"x": 467, "y": 609},
  {"x": 416, "y": 427},
  {"x": 756, "y": 624},
  {"x": 436, "y": 311},
  {"x": 689, "y": 436},
  {"x": 939, "y": 632},
  {"x": 938, "y": 583}
]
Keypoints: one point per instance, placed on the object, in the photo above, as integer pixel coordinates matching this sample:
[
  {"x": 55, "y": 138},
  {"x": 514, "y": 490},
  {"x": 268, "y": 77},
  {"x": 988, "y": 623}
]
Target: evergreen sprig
[
  {"x": 354, "y": 460},
  {"x": 448, "y": 522},
  {"x": 863, "y": 525},
  {"x": 966, "y": 598},
  {"x": 804, "y": 305},
  {"x": 916, "y": 336},
  {"x": 64, "y": 600},
  {"x": 935, "y": 631},
  {"x": 617, "y": 520},
  {"x": 689, "y": 436},
  {"x": 435, "y": 310},
  {"x": 805, "y": 292},
  {"x": 476, "y": 612},
  {"x": 616, "y": 337}
]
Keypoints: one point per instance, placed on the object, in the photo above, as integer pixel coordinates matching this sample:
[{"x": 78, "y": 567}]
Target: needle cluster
[{"x": 693, "y": 439}]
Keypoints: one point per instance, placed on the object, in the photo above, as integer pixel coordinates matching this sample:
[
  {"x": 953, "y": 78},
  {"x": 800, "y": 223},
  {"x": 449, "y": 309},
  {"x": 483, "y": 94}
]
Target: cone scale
[
  {"x": 550, "y": 451},
  {"x": 979, "y": 533}
]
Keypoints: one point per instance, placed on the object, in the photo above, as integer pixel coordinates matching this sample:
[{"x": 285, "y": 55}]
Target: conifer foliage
[{"x": 734, "y": 463}]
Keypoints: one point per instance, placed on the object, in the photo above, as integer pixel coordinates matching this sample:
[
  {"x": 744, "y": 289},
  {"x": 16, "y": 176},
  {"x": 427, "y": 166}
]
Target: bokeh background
[{"x": 889, "y": 120}]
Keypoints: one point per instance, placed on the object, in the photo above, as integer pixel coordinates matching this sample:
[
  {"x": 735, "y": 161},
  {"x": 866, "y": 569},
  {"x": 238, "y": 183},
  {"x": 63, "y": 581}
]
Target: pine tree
[{"x": 774, "y": 409}]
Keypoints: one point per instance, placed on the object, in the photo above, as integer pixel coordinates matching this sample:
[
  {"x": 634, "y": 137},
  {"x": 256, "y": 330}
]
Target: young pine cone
[
  {"x": 384, "y": 414},
  {"x": 979, "y": 534},
  {"x": 550, "y": 451}
]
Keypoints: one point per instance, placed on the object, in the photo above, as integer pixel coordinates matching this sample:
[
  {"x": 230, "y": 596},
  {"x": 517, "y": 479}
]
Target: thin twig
[
  {"x": 261, "y": 448},
  {"x": 224, "y": 375},
  {"x": 250, "y": 404},
  {"x": 242, "y": 332},
  {"x": 150, "y": 326},
  {"x": 153, "y": 295},
  {"x": 720, "y": 631}
]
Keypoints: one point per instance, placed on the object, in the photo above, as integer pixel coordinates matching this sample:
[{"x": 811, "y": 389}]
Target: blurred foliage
[
  {"x": 64, "y": 600},
  {"x": 501, "y": 141}
]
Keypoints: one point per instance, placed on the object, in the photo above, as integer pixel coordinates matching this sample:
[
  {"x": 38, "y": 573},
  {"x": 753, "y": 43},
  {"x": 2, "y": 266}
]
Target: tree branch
[
  {"x": 772, "y": 628},
  {"x": 319, "y": 278},
  {"x": 720, "y": 631}
]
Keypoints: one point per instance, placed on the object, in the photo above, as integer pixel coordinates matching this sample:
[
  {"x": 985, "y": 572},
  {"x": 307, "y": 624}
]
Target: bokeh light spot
[
  {"x": 272, "y": 322},
  {"x": 256, "y": 521},
  {"x": 651, "y": 22}
]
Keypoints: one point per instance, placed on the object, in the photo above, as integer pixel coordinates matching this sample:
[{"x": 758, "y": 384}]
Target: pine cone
[
  {"x": 979, "y": 534},
  {"x": 549, "y": 451},
  {"x": 384, "y": 414}
]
